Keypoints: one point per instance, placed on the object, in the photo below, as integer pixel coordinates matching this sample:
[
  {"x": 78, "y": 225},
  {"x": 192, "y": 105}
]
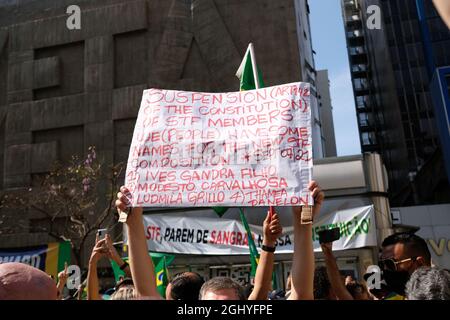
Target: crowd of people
[{"x": 405, "y": 265}]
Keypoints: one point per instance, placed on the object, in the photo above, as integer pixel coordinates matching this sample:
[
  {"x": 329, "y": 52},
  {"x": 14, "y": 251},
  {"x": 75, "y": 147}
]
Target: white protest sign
[
  {"x": 218, "y": 236},
  {"x": 249, "y": 148}
]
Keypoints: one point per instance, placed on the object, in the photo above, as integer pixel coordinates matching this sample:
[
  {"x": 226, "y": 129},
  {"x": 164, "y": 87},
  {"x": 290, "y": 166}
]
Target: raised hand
[
  {"x": 327, "y": 248},
  {"x": 272, "y": 229},
  {"x": 100, "y": 250},
  {"x": 111, "y": 250},
  {"x": 63, "y": 276},
  {"x": 141, "y": 265},
  {"x": 123, "y": 203},
  {"x": 318, "y": 196}
]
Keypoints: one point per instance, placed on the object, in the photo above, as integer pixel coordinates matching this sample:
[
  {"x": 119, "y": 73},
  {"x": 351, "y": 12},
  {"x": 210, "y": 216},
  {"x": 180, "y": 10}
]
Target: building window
[
  {"x": 368, "y": 138},
  {"x": 363, "y": 120}
]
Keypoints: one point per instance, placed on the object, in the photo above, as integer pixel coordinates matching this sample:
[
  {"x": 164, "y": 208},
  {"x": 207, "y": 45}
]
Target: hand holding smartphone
[{"x": 101, "y": 234}]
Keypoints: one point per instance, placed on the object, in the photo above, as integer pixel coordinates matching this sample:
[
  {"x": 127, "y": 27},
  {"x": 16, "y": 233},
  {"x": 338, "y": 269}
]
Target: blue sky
[{"x": 331, "y": 53}]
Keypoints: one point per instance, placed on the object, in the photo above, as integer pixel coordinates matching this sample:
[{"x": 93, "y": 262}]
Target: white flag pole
[{"x": 255, "y": 70}]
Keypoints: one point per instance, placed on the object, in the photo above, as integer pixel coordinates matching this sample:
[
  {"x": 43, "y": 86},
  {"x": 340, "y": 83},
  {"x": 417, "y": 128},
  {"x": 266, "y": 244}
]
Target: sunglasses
[{"x": 391, "y": 264}]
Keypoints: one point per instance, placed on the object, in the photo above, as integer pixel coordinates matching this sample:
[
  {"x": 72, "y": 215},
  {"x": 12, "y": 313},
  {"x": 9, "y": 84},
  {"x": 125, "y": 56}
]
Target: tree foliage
[{"x": 74, "y": 199}]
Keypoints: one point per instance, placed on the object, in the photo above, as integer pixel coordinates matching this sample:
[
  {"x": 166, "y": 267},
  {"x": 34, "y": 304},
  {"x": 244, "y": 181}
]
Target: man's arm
[
  {"x": 141, "y": 264},
  {"x": 443, "y": 7},
  {"x": 303, "y": 260},
  {"x": 62, "y": 280},
  {"x": 334, "y": 275},
  {"x": 80, "y": 292},
  {"x": 272, "y": 230},
  {"x": 115, "y": 256},
  {"x": 92, "y": 279}
]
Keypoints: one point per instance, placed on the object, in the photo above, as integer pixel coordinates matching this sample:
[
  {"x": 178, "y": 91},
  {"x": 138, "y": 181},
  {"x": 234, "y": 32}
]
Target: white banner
[
  {"x": 218, "y": 236},
  {"x": 248, "y": 148}
]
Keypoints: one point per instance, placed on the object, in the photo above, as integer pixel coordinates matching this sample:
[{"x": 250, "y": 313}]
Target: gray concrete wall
[{"x": 63, "y": 90}]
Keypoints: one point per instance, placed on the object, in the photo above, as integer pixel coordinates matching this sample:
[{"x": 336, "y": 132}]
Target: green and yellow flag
[
  {"x": 161, "y": 261},
  {"x": 50, "y": 257},
  {"x": 162, "y": 276}
]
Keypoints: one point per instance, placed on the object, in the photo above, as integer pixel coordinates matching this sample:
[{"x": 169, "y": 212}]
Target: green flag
[
  {"x": 161, "y": 261},
  {"x": 275, "y": 284},
  {"x": 254, "y": 255},
  {"x": 245, "y": 73},
  {"x": 247, "y": 82},
  {"x": 220, "y": 211},
  {"x": 162, "y": 276}
]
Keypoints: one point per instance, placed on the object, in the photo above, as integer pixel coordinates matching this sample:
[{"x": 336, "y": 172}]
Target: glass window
[
  {"x": 363, "y": 119},
  {"x": 368, "y": 138}
]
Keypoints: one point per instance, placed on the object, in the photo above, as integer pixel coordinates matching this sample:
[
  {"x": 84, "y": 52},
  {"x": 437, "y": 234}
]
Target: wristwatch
[{"x": 268, "y": 249}]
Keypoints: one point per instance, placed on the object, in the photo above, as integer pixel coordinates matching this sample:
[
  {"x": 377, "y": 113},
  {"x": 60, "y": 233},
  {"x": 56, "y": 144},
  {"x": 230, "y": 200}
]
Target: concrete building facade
[
  {"x": 63, "y": 90},
  {"x": 326, "y": 114}
]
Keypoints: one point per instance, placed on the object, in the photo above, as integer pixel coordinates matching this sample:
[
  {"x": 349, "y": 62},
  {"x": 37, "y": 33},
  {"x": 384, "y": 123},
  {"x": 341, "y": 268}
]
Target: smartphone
[
  {"x": 329, "y": 235},
  {"x": 102, "y": 233}
]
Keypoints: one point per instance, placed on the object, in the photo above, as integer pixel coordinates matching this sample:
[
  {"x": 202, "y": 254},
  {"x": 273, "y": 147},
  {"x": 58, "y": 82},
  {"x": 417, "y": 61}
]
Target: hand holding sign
[
  {"x": 140, "y": 262},
  {"x": 123, "y": 207},
  {"x": 249, "y": 148},
  {"x": 123, "y": 203},
  {"x": 318, "y": 195}
]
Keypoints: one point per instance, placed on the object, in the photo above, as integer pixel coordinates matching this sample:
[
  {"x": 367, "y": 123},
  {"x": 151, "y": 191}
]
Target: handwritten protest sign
[{"x": 248, "y": 148}]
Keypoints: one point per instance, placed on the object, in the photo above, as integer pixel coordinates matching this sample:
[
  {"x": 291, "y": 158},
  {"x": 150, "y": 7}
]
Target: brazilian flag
[
  {"x": 161, "y": 262},
  {"x": 50, "y": 258},
  {"x": 162, "y": 276}
]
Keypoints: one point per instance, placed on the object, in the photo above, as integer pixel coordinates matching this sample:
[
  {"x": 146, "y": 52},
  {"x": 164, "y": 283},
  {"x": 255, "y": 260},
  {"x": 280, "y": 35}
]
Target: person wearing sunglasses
[{"x": 401, "y": 255}]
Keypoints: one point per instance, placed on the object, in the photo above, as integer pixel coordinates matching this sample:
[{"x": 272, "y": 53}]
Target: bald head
[{"x": 20, "y": 281}]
